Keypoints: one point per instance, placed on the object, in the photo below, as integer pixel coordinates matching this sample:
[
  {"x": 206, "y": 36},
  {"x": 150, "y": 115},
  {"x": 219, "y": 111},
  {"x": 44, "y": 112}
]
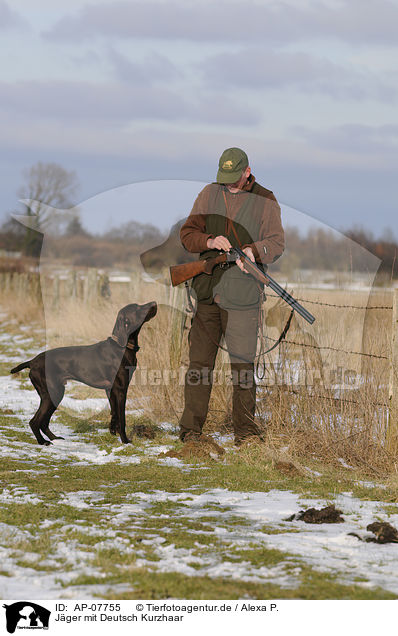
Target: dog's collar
[{"x": 129, "y": 345}]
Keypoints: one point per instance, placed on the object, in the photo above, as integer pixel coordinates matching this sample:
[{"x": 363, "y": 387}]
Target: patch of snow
[
  {"x": 9, "y": 359},
  {"x": 81, "y": 498},
  {"x": 344, "y": 464},
  {"x": 327, "y": 547},
  {"x": 155, "y": 450},
  {"x": 168, "y": 426},
  {"x": 83, "y": 452},
  {"x": 22, "y": 340},
  {"x": 370, "y": 484},
  {"x": 181, "y": 560},
  {"x": 87, "y": 406},
  {"x": 18, "y": 496},
  {"x": 313, "y": 472},
  {"x": 17, "y": 399}
]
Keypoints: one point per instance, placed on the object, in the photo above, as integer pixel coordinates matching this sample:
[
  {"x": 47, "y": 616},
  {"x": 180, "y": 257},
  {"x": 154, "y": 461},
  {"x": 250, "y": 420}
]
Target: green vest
[{"x": 235, "y": 289}]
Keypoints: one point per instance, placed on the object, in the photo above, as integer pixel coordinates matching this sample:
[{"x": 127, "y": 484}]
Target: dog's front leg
[
  {"x": 121, "y": 409},
  {"x": 118, "y": 398},
  {"x": 113, "y": 423}
]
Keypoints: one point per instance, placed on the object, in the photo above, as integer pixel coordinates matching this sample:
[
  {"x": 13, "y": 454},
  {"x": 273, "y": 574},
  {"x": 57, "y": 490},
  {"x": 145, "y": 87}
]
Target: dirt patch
[
  {"x": 330, "y": 514},
  {"x": 384, "y": 533},
  {"x": 144, "y": 431},
  {"x": 288, "y": 468},
  {"x": 202, "y": 448}
]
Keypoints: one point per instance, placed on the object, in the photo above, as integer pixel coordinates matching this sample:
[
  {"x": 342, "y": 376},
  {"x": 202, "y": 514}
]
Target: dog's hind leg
[
  {"x": 35, "y": 426},
  {"x": 56, "y": 397},
  {"x": 48, "y": 404}
]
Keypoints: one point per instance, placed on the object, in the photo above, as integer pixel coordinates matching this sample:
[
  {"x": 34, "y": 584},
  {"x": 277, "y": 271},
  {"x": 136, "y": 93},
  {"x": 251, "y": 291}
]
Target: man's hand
[
  {"x": 249, "y": 252},
  {"x": 219, "y": 243}
]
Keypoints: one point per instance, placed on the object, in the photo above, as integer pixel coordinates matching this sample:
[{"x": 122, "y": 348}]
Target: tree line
[{"x": 49, "y": 184}]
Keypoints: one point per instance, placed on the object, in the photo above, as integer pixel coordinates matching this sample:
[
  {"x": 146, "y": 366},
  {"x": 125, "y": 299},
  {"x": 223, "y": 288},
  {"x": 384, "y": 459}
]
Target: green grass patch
[{"x": 150, "y": 585}]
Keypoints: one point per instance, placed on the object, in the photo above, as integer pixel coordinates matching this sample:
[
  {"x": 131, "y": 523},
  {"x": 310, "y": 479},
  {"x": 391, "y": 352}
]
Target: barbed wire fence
[
  {"x": 92, "y": 286},
  {"x": 391, "y": 404}
]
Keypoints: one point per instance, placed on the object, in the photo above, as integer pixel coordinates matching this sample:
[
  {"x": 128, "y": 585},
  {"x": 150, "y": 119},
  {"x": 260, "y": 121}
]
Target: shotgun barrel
[{"x": 258, "y": 273}]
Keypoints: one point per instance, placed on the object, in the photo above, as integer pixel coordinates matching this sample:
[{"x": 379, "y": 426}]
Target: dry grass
[
  {"x": 327, "y": 429},
  {"x": 345, "y": 417},
  {"x": 26, "y": 311},
  {"x": 330, "y": 420}
]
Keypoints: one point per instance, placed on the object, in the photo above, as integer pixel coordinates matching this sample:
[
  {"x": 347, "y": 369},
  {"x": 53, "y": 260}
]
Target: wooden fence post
[
  {"x": 71, "y": 286},
  {"x": 90, "y": 286},
  {"x": 103, "y": 287},
  {"x": 55, "y": 298},
  {"x": 392, "y": 430}
]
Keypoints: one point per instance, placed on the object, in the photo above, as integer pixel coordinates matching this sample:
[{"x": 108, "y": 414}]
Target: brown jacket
[{"x": 193, "y": 233}]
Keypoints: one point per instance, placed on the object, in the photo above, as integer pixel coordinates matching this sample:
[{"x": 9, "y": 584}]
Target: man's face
[{"x": 238, "y": 185}]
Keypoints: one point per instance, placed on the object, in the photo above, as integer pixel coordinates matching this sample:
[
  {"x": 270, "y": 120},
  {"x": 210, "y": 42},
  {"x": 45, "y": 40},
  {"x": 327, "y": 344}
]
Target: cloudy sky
[{"x": 131, "y": 91}]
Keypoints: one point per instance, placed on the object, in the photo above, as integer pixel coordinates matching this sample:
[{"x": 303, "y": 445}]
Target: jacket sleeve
[
  {"x": 193, "y": 233},
  {"x": 271, "y": 241}
]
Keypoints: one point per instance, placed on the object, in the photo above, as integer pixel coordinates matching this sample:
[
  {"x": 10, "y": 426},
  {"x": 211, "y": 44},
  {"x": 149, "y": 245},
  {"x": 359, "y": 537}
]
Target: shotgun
[{"x": 181, "y": 273}]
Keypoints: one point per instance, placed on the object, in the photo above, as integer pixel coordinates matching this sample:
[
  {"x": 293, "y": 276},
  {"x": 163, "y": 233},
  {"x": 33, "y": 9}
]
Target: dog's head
[{"x": 130, "y": 320}]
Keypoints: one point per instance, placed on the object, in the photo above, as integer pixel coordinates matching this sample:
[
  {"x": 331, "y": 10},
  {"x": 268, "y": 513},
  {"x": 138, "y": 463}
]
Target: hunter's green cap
[{"x": 231, "y": 165}]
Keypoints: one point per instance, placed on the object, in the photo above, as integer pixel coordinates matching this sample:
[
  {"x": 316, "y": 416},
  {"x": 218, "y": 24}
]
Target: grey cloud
[
  {"x": 10, "y": 18},
  {"x": 155, "y": 68},
  {"x": 112, "y": 103},
  {"x": 354, "y": 21},
  {"x": 261, "y": 68},
  {"x": 359, "y": 139},
  {"x": 66, "y": 100},
  {"x": 214, "y": 108}
]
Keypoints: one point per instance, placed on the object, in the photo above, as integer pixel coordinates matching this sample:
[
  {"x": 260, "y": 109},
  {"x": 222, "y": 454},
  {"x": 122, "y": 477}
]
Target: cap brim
[{"x": 228, "y": 177}]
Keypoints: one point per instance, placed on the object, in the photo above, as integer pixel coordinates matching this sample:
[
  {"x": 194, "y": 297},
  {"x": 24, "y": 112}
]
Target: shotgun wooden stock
[{"x": 181, "y": 273}]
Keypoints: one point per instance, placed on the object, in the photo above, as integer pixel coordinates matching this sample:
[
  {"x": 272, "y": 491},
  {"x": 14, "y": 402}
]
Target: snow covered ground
[{"x": 326, "y": 547}]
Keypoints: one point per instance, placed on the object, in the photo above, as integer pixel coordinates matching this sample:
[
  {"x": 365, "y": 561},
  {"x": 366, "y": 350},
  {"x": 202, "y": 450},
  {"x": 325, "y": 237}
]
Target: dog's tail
[{"x": 23, "y": 365}]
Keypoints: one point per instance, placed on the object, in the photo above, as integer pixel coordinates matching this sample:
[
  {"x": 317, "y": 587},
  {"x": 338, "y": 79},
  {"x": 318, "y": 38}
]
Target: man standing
[{"x": 233, "y": 212}]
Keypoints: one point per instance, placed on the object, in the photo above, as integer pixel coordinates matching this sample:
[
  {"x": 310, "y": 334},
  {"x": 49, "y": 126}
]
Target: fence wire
[
  {"x": 318, "y": 302},
  {"x": 357, "y": 353},
  {"x": 291, "y": 389}
]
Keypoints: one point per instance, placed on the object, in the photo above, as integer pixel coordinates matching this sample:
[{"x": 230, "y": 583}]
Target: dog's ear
[{"x": 119, "y": 330}]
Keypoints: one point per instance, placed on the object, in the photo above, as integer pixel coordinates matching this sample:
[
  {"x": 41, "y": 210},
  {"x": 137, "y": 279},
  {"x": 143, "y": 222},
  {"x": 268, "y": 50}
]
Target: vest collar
[
  {"x": 248, "y": 187},
  {"x": 250, "y": 183}
]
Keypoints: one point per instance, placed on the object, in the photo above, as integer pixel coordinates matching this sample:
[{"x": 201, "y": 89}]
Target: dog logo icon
[{"x": 26, "y": 615}]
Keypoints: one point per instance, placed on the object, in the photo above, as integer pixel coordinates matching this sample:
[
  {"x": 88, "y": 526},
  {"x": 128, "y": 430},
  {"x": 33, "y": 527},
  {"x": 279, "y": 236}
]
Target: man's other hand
[
  {"x": 249, "y": 252},
  {"x": 219, "y": 243}
]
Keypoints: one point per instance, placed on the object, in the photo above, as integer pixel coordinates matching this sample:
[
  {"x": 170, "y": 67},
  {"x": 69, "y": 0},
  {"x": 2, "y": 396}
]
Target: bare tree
[{"x": 46, "y": 184}]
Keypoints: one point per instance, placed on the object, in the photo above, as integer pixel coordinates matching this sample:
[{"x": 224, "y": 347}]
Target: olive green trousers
[{"x": 239, "y": 329}]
